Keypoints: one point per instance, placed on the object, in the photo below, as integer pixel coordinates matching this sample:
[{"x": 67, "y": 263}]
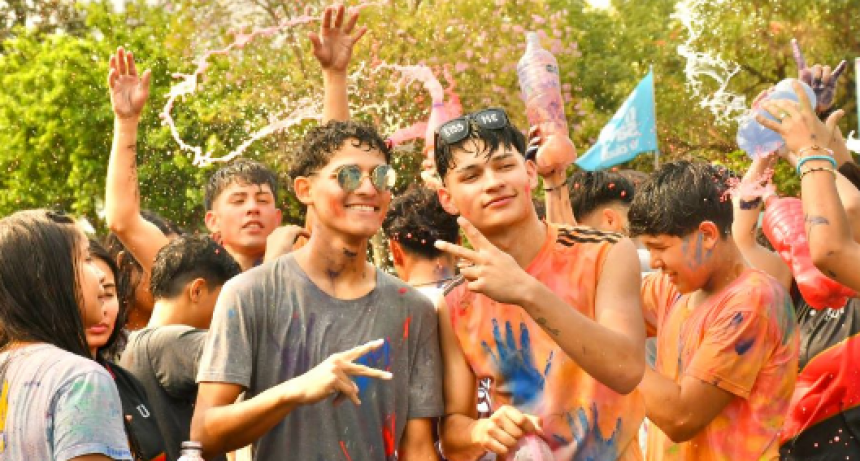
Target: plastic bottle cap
[
  {"x": 532, "y": 38},
  {"x": 192, "y": 445}
]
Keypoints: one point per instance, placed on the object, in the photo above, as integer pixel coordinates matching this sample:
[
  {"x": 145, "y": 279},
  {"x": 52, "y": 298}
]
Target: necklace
[{"x": 434, "y": 282}]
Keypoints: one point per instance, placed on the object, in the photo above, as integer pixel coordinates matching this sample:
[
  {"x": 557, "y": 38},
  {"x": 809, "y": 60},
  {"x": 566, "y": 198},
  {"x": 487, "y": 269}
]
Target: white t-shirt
[{"x": 56, "y": 405}]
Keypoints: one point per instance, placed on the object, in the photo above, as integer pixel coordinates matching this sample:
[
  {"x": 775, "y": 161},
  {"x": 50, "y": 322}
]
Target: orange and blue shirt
[{"x": 582, "y": 418}]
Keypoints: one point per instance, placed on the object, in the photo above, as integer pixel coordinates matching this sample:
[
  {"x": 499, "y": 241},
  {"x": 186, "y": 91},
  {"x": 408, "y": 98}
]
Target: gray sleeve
[
  {"x": 229, "y": 350},
  {"x": 175, "y": 354},
  {"x": 425, "y": 379},
  {"x": 88, "y": 418}
]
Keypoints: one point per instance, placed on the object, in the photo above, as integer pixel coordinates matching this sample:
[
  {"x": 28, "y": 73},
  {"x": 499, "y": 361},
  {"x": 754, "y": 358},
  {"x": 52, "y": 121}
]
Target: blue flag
[{"x": 631, "y": 131}]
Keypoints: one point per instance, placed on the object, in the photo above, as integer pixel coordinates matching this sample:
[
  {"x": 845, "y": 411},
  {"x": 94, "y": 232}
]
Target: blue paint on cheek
[{"x": 744, "y": 345}]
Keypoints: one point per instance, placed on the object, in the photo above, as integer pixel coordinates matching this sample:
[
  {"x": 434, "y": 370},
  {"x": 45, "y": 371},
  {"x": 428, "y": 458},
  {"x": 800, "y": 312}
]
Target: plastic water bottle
[
  {"x": 757, "y": 140},
  {"x": 540, "y": 84},
  {"x": 783, "y": 226},
  {"x": 191, "y": 451},
  {"x": 530, "y": 448}
]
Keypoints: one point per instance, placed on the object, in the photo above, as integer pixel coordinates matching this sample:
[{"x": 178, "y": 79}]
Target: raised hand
[
  {"x": 500, "y": 432},
  {"x": 334, "y": 43},
  {"x": 799, "y": 126},
  {"x": 128, "y": 91},
  {"x": 334, "y": 375},
  {"x": 489, "y": 270},
  {"x": 820, "y": 78}
]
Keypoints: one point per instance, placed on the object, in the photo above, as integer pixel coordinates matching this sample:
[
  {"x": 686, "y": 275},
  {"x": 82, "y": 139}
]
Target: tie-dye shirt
[
  {"x": 582, "y": 418},
  {"x": 742, "y": 340}
]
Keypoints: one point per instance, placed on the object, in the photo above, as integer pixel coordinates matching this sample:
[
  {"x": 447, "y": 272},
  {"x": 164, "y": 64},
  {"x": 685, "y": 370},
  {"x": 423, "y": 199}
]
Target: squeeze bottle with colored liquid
[
  {"x": 783, "y": 225},
  {"x": 540, "y": 84},
  {"x": 191, "y": 451},
  {"x": 438, "y": 116}
]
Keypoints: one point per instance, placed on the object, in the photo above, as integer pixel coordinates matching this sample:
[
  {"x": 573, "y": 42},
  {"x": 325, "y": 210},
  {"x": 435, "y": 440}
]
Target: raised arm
[
  {"x": 555, "y": 187},
  {"x": 333, "y": 47},
  {"x": 128, "y": 94},
  {"x": 610, "y": 348},
  {"x": 223, "y": 425},
  {"x": 747, "y": 206},
  {"x": 831, "y": 243}
]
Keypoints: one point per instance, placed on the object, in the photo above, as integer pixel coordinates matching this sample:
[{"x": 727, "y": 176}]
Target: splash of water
[{"x": 703, "y": 65}]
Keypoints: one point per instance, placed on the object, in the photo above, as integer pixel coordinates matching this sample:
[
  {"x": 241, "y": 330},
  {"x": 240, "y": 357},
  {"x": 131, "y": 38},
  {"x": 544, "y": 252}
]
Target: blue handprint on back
[{"x": 519, "y": 376}]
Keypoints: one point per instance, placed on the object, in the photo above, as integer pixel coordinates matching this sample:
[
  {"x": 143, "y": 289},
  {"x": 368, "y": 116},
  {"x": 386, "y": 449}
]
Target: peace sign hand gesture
[
  {"x": 128, "y": 91},
  {"x": 489, "y": 270},
  {"x": 820, "y": 78},
  {"x": 334, "y": 43},
  {"x": 334, "y": 375}
]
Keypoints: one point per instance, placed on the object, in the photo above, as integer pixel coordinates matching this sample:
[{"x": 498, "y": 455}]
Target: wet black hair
[
  {"x": 241, "y": 171},
  {"x": 593, "y": 190},
  {"x": 322, "y": 142},
  {"x": 681, "y": 195},
  {"x": 508, "y": 136},
  {"x": 40, "y": 296},
  {"x": 187, "y": 258},
  {"x": 416, "y": 220}
]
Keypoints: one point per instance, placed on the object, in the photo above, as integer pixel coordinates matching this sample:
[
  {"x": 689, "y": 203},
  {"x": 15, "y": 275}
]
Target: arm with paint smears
[
  {"x": 221, "y": 424},
  {"x": 744, "y": 224}
]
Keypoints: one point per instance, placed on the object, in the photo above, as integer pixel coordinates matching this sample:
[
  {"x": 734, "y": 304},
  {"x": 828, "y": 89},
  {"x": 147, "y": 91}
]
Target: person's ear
[
  {"x": 531, "y": 171},
  {"x": 396, "y": 252},
  {"x": 302, "y": 188},
  {"x": 211, "y": 221},
  {"x": 197, "y": 289},
  {"x": 710, "y": 235},
  {"x": 447, "y": 201}
]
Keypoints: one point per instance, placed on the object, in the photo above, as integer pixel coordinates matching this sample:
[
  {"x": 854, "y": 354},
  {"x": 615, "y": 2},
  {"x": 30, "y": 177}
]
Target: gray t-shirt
[
  {"x": 272, "y": 324},
  {"x": 164, "y": 359},
  {"x": 57, "y": 406}
]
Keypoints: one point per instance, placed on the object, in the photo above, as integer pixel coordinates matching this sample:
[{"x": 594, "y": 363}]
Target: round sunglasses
[{"x": 349, "y": 177}]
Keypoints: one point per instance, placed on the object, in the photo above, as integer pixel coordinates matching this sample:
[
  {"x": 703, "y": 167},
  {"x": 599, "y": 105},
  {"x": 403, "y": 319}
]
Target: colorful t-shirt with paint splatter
[
  {"x": 56, "y": 405},
  {"x": 583, "y": 419},
  {"x": 272, "y": 324},
  {"x": 743, "y": 340}
]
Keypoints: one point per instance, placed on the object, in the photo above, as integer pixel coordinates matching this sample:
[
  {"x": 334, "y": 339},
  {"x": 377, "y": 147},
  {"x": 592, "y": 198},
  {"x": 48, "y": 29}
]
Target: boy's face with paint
[
  {"x": 354, "y": 214},
  {"x": 687, "y": 260},
  {"x": 493, "y": 192}
]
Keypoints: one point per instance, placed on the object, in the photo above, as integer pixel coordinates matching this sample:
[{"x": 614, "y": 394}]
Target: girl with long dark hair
[{"x": 56, "y": 403}]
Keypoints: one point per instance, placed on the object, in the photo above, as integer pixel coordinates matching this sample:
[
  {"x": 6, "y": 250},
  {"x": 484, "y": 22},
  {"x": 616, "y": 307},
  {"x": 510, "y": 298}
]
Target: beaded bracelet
[
  {"x": 749, "y": 204},
  {"x": 815, "y": 157},
  {"x": 813, "y": 147},
  {"x": 550, "y": 189},
  {"x": 813, "y": 170}
]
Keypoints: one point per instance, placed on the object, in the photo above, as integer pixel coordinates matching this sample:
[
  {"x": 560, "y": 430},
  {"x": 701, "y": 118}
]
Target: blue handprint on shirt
[
  {"x": 591, "y": 444},
  {"x": 519, "y": 376}
]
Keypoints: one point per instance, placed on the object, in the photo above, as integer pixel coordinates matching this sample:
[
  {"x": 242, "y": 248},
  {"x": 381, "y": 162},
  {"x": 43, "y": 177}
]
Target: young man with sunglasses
[
  {"x": 279, "y": 330},
  {"x": 550, "y": 314}
]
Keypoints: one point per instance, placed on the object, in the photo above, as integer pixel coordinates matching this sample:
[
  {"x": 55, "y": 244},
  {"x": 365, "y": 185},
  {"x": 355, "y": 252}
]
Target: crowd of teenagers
[{"x": 637, "y": 317}]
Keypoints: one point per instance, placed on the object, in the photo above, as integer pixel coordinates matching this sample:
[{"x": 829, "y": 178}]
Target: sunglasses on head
[
  {"x": 349, "y": 177},
  {"x": 458, "y": 129}
]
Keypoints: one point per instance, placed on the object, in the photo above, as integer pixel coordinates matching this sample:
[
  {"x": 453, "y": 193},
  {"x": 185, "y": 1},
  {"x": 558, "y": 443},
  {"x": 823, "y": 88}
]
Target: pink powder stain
[{"x": 402, "y": 290}]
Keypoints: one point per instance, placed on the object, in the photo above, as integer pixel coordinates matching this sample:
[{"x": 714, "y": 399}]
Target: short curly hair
[
  {"x": 416, "y": 220},
  {"x": 593, "y": 190},
  {"x": 243, "y": 171},
  {"x": 322, "y": 142},
  {"x": 187, "y": 258}
]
